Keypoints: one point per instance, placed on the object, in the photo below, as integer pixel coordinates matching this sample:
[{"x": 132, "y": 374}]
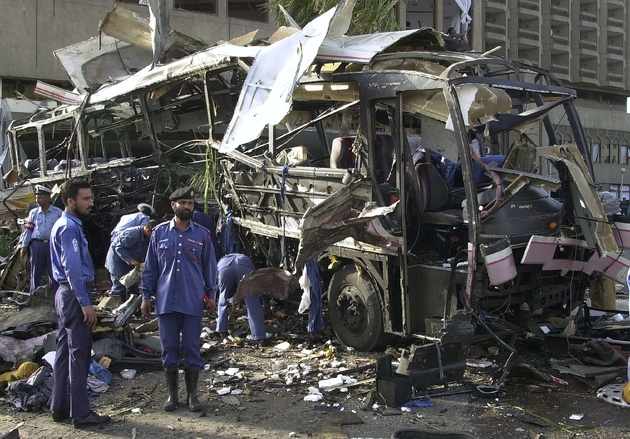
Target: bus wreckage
[{"x": 425, "y": 186}]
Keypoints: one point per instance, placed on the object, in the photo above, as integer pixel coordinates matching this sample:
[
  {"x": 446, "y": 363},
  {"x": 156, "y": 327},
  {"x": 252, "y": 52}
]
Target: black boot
[
  {"x": 192, "y": 377},
  {"x": 171, "y": 385}
]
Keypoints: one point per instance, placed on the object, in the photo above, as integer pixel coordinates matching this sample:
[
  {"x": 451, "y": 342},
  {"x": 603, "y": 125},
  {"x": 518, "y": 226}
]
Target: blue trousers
[
  {"x": 315, "y": 313},
  {"x": 40, "y": 259},
  {"x": 72, "y": 362},
  {"x": 171, "y": 326},
  {"x": 229, "y": 278}
]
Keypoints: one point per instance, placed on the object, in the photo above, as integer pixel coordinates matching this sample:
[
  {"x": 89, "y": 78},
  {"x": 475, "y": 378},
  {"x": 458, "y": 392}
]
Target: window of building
[
  {"x": 606, "y": 153},
  {"x": 248, "y": 10},
  {"x": 595, "y": 153},
  {"x": 623, "y": 154},
  {"x": 614, "y": 152},
  {"x": 202, "y": 6}
]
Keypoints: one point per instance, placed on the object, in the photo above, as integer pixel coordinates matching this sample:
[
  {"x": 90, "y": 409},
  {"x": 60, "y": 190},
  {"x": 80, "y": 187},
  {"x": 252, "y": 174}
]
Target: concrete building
[
  {"x": 33, "y": 29},
  {"x": 582, "y": 42}
]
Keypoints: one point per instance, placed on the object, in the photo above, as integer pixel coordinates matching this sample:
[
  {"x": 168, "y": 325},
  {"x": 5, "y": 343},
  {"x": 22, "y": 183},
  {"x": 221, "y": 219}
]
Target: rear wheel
[{"x": 355, "y": 310}]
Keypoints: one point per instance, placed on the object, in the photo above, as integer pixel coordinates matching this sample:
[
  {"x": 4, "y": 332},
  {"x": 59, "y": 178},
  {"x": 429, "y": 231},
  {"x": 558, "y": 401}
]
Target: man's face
[
  {"x": 183, "y": 209},
  {"x": 147, "y": 232},
  {"x": 42, "y": 200},
  {"x": 82, "y": 206}
]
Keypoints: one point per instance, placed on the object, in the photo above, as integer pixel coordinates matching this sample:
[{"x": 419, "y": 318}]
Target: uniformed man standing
[
  {"x": 37, "y": 235},
  {"x": 72, "y": 268},
  {"x": 180, "y": 268}
]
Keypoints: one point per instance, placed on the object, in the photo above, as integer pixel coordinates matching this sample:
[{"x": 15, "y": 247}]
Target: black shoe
[
  {"x": 61, "y": 415},
  {"x": 316, "y": 338},
  {"x": 262, "y": 343},
  {"x": 90, "y": 420}
]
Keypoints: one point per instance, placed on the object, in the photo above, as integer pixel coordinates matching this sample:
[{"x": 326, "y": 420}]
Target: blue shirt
[
  {"x": 40, "y": 224},
  {"x": 235, "y": 258},
  {"x": 71, "y": 260},
  {"x": 129, "y": 245},
  {"x": 179, "y": 268},
  {"x": 206, "y": 220},
  {"x": 129, "y": 220}
]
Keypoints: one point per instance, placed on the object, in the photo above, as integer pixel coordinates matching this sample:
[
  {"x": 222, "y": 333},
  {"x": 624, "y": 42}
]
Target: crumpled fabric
[
  {"x": 424, "y": 401},
  {"x": 12, "y": 349},
  {"x": 101, "y": 373},
  {"x": 96, "y": 385},
  {"x": 32, "y": 393},
  {"x": 305, "y": 301},
  {"x": 25, "y": 370}
]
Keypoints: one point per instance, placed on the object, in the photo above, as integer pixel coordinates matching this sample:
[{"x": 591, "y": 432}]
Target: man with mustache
[
  {"x": 72, "y": 268},
  {"x": 180, "y": 269},
  {"x": 36, "y": 237}
]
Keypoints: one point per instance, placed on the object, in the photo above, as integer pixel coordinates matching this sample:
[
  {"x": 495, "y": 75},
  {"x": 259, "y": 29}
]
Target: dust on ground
[{"x": 268, "y": 387}]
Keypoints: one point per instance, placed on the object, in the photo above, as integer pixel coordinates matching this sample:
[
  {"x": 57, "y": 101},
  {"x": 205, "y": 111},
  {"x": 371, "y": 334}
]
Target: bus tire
[{"x": 355, "y": 310}]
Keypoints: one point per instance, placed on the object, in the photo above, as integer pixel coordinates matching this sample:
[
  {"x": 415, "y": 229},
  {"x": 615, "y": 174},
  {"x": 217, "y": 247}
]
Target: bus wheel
[{"x": 355, "y": 310}]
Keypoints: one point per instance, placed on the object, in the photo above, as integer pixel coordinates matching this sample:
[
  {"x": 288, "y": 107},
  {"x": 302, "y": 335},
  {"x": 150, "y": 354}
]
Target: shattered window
[
  {"x": 248, "y": 10},
  {"x": 203, "y": 6}
]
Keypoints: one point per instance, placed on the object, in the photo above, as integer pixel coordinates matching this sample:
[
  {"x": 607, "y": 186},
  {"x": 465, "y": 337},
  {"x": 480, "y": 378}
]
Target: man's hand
[
  {"x": 24, "y": 252},
  {"x": 145, "y": 307},
  {"x": 89, "y": 315},
  {"x": 210, "y": 304},
  {"x": 135, "y": 263}
]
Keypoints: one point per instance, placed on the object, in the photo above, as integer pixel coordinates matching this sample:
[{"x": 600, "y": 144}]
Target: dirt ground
[{"x": 268, "y": 387}]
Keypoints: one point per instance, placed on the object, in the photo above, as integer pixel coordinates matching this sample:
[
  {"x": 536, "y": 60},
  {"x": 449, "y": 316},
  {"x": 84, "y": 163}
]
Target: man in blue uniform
[
  {"x": 231, "y": 269},
  {"x": 72, "y": 268},
  {"x": 180, "y": 268},
  {"x": 37, "y": 235},
  {"x": 126, "y": 252},
  {"x": 206, "y": 220},
  {"x": 139, "y": 218}
]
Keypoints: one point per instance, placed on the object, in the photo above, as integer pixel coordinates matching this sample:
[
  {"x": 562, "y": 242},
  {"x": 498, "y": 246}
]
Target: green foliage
[
  {"x": 8, "y": 241},
  {"x": 206, "y": 180},
  {"x": 369, "y": 16}
]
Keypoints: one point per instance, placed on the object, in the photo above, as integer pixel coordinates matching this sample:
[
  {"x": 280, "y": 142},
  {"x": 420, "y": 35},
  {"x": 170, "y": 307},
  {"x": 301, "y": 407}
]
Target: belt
[
  {"x": 88, "y": 285},
  {"x": 45, "y": 241}
]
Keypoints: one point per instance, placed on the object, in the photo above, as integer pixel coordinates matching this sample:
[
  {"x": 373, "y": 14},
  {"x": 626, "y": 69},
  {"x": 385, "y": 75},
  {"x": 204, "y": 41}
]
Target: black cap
[{"x": 187, "y": 192}]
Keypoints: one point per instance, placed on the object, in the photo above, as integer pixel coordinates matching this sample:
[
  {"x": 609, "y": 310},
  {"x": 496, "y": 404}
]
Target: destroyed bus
[
  {"x": 424, "y": 182},
  {"x": 427, "y": 185}
]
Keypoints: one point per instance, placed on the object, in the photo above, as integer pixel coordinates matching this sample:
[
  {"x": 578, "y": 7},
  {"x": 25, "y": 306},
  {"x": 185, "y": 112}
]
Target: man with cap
[
  {"x": 139, "y": 218},
  {"x": 37, "y": 235},
  {"x": 126, "y": 252},
  {"x": 180, "y": 269}
]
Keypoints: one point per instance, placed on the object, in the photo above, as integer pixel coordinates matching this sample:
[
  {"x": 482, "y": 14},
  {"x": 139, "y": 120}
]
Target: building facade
[
  {"x": 34, "y": 29},
  {"x": 584, "y": 43}
]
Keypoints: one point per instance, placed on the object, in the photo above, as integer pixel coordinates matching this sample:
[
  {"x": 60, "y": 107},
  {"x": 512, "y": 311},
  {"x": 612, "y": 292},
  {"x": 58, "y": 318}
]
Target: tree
[{"x": 369, "y": 15}]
